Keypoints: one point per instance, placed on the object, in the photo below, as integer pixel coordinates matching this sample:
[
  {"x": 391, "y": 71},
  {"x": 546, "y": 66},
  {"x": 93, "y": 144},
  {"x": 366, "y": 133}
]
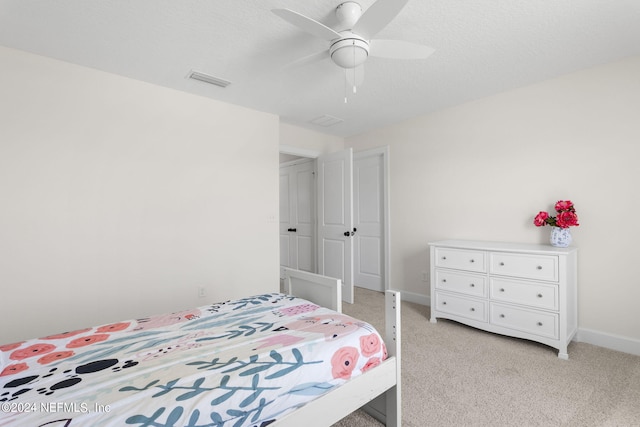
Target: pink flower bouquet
[{"x": 566, "y": 217}]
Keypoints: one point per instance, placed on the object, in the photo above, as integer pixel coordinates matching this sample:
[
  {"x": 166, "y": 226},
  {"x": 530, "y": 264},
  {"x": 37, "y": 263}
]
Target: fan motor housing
[
  {"x": 350, "y": 51},
  {"x": 348, "y": 14}
]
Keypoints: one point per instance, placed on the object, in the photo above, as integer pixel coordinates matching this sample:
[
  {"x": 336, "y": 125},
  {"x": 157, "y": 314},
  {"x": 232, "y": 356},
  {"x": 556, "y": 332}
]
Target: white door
[
  {"x": 335, "y": 221},
  {"x": 368, "y": 213},
  {"x": 297, "y": 216}
]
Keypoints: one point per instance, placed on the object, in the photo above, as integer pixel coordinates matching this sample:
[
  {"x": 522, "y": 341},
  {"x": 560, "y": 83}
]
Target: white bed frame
[{"x": 376, "y": 391}]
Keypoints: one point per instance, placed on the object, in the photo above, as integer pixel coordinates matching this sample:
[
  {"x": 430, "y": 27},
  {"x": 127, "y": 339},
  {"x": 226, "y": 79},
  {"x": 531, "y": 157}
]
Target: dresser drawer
[
  {"x": 455, "y": 281},
  {"x": 530, "y": 321},
  {"x": 461, "y": 259},
  {"x": 461, "y": 306},
  {"x": 539, "y": 267},
  {"x": 537, "y": 295}
]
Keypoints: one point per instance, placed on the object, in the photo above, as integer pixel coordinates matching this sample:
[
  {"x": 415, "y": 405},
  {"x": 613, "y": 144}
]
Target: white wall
[
  {"x": 484, "y": 169},
  {"x": 119, "y": 198},
  {"x": 306, "y": 139}
]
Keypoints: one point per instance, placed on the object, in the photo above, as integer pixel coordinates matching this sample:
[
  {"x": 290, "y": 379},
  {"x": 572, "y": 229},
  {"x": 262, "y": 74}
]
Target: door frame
[
  {"x": 301, "y": 152},
  {"x": 384, "y": 151}
]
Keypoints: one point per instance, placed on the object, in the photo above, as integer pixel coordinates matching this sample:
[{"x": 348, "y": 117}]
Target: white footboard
[{"x": 378, "y": 390}]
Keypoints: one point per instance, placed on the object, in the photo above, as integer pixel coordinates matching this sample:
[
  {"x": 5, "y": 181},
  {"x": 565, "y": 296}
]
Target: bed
[{"x": 285, "y": 359}]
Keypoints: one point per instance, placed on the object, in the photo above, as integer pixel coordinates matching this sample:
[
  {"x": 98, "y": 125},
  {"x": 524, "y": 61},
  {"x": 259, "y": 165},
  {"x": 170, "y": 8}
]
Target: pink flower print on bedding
[
  {"x": 371, "y": 363},
  {"x": 298, "y": 309},
  {"x": 331, "y": 326},
  {"x": 14, "y": 368},
  {"x": 31, "y": 351},
  {"x": 280, "y": 340},
  {"x": 370, "y": 344},
  {"x": 166, "y": 319},
  {"x": 344, "y": 362}
]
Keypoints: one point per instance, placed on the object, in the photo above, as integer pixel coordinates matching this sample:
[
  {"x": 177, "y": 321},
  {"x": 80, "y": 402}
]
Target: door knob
[{"x": 350, "y": 233}]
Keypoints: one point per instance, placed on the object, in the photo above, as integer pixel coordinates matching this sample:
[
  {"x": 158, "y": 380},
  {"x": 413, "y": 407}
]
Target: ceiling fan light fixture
[{"x": 349, "y": 53}]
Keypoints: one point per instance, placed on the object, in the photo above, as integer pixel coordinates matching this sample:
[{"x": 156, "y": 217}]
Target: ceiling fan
[{"x": 352, "y": 42}]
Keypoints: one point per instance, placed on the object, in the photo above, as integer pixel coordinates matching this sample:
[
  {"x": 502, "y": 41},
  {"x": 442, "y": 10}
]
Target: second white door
[
  {"x": 369, "y": 217},
  {"x": 335, "y": 219}
]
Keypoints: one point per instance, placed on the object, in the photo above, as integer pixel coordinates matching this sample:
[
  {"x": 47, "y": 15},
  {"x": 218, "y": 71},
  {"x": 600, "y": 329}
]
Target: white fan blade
[
  {"x": 377, "y": 17},
  {"x": 309, "y": 59},
  {"x": 398, "y": 49},
  {"x": 307, "y": 24}
]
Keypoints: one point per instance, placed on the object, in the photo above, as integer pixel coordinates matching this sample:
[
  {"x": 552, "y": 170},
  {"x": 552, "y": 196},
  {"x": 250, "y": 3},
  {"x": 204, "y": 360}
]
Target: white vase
[{"x": 560, "y": 237}]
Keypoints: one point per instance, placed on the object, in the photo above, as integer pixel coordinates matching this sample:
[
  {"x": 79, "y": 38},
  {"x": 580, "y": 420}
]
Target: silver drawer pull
[
  {"x": 444, "y": 303},
  {"x": 502, "y": 263},
  {"x": 502, "y": 315},
  {"x": 472, "y": 260},
  {"x": 539, "y": 323},
  {"x": 473, "y": 309},
  {"x": 444, "y": 280},
  {"x": 444, "y": 257},
  {"x": 501, "y": 289},
  {"x": 539, "y": 267},
  {"x": 539, "y": 295},
  {"x": 473, "y": 285}
]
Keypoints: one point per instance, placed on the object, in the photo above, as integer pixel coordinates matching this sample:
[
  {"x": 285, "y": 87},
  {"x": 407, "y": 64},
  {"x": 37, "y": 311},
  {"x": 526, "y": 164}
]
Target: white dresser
[{"x": 521, "y": 290}]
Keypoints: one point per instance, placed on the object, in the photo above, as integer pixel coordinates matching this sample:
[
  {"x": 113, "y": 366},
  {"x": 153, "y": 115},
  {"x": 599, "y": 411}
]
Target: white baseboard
[
  {"x": 610, "y": 341},
  {"x": 589, "y": 336},
  {"x": 416, "y": 298}
]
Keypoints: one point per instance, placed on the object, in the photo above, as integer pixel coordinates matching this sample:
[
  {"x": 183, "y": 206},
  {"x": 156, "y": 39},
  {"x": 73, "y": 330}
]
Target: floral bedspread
[{"x": 245, "y": 362}]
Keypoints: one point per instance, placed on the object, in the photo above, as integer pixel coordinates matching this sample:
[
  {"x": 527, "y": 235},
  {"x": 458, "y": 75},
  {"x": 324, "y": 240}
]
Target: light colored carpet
[{"x": 454, "y": 375}]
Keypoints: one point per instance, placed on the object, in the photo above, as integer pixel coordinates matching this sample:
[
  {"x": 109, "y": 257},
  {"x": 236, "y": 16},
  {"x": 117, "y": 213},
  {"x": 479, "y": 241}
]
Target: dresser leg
[{"x": 563, "y": 354}]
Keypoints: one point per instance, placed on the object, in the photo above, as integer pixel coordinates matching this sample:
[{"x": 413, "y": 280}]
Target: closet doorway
[
  {"x": 298, "y": 215},
  {"x": 367, "y": 264}
]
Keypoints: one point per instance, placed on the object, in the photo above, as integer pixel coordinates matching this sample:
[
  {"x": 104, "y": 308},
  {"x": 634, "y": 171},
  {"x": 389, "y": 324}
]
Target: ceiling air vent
[
  {"x": 326, "y": 121},
  {"x": 206, "y": 78}
]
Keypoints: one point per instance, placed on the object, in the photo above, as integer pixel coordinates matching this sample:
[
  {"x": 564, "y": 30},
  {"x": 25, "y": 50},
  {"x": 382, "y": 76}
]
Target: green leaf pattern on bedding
[{"x": 237, "y": 363}]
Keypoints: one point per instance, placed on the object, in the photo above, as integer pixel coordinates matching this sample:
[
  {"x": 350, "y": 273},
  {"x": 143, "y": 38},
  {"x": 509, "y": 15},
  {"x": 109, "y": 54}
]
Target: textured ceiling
[{"x": 482, "y": 47}]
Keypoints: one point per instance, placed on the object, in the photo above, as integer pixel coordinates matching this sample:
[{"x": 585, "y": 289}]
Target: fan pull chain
[
  {"x": 346, "y": 70},
  {"x": 354, "y": 65},
  {"x": 345, "y": 85}
]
